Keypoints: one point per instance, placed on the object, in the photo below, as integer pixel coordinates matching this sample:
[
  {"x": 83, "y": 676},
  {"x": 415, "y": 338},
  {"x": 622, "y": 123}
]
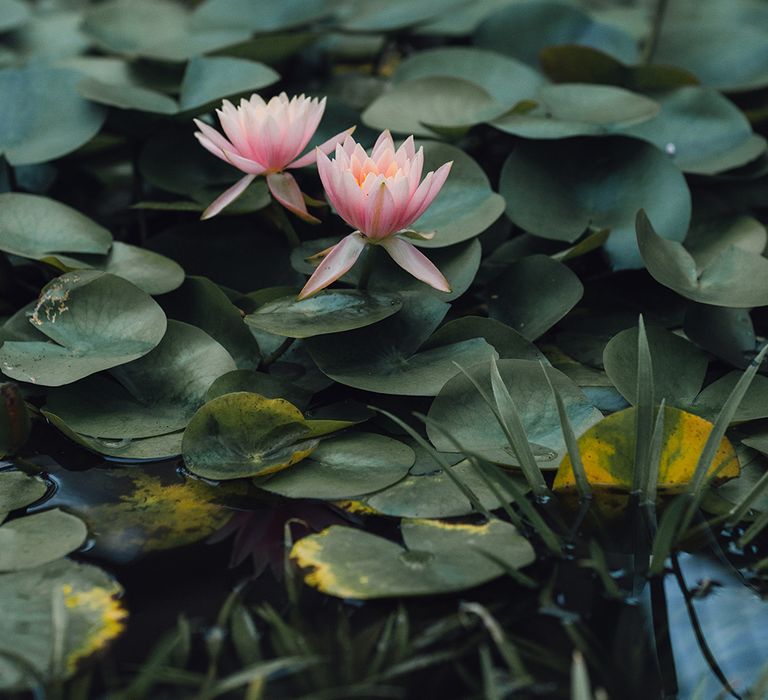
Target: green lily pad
[
  {"x": 437, "y": 558},
  {"x": 539, "y": 24},
  {"x": 734, "y": 277},
  {"x": 466, "y": 205},
  {"x": 13, "y": 14},
  {"x": 390, "y": 15},
  {"x": 155, "y": 29},
  {"x": 754, "y": 405},
  {"x": 97, "y": 321},
  {"x": 245, "y": 434},
  {"x": 432, "y": 494},
  {"x": 258, "y": 17},
  {"x": 425, "y": 106},
  {"x": 556, "y": 189},
  {"x": 149, "y": 271},
  {"x": 703, "y": 131},
  {"x": 724, "y": 498},
  {"x": 258, "y": 383},
  {"x": 152, "y": 508},
  {"x": 127, "y": 96},
  {"x": 153, "y": 395},
  {"x": 18, "y": 490},
  {"x": 461, "y": 411},
  {"x": 157, "y": 447},
  {"x": 201, "y": 303},
  {"x": 534, "y": 294},
  {"x": 93, "y": 615},
  {"x": 726, "y": 333},
  {"x": 574, "y": 109},
  {"x": 385, "y": 357},
  {"x": 37, "y": 227},
  {"x": 506, "y": 80},
  {"x": 723, "y": 44},
  {"x": 44, "y": 117},
  {"x": 506, "y": 340},
  {"x": 38, "y": 539},
  {"x": 584, "y": 64},
  {"x": 679, "y": 367},
  {"x": 344, "y": 467},
  {"x": 331, "y": 311}
]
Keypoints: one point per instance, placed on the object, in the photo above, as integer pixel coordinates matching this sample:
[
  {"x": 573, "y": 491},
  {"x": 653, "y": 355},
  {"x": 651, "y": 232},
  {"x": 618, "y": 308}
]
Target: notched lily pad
[
  {"x": 437, "y": 558},
  {"x": 344, "y": 467},
  {"x": 18, "y": 490},
  {"x": 332, "y": 311}
]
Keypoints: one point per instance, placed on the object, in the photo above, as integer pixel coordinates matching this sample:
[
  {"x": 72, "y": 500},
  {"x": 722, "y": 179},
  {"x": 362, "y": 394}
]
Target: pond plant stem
[{"x": 653, "y": 39}]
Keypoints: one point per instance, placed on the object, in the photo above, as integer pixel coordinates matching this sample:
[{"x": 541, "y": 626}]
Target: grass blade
[
  {"x": 643, "y": 414},
  {"x": 581, "y": 689},
  {"x": 654, "y": 457}
]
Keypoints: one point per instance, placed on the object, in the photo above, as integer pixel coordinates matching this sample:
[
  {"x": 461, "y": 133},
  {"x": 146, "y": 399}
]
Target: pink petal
[
  {"x": 226, "y": 198},
  {"x": 325, "y": 148},
  {"x": 417, "y": 208},
  {"x": 209, "y": 145},
  {"x": 286, "y": 191},
  {"x": 232, "y": 122},
  {"x": 214, "y": 137},
  {"x": 247, "y": 165},
  {"x": 335, "y": 264},
  {"x": 412, "y": 260},
  {"x": 380, "y": 214}
]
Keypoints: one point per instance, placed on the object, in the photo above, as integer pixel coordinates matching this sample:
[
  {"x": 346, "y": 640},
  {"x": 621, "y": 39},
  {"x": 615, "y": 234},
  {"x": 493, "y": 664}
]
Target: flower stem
[
  {"x": 278, "y": 216},
  {"x": 653, "y": 39},
  {"x": 367, "y": 267},
  {"x": 278, "y": 353}
]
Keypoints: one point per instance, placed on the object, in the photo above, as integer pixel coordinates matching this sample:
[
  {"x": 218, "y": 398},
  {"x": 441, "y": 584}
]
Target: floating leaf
[
  {"x": 425, "y": 106},
  {"x": 153, "y": 395},
  {"x": 245, "y": 434},
  {"x": 461, "y": 411},
  {"x": 260, "y": 17},
  {"x": 556, "y": 189},
  {"x": 754, "y": 405},
  {"x": 679, "y": 368},
  {"x": 562, "y": 111},
  {"x": 385, "y": 357},
  {"x": 437, "y": 558},
  {"x": 506, "y": 80},
  {"x": 539, "y": 24},
  {"x": 18, "y": 490},
  {"x": 608, "y": 452},
  {"x": 93, "y": 618},
  {"x": 734, "y": 278},
  {"x": 37, "y": 227},
  {"x": 38, "y": 539},
  {"x": 534, "y": 294},
  {"x": 48, "y": 118},
  {"x": 703, "y": 131},
  {"x": 331, "y": 311},
  {"x": 258, "y": 383},
  {"x": 344, "y": 467},
  {"x": 97, "y": 321},
  {"x": 13, "y": 14},
  {"x": 389, "y": 15}
]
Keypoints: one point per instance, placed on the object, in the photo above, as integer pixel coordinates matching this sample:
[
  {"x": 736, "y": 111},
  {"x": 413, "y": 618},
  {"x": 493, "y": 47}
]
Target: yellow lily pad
[{"x": 608, "y": 452}]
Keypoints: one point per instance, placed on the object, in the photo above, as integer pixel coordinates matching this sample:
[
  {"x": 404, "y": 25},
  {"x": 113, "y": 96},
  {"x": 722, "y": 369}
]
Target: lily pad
[
  {"x": 43, "y": 115},
  {"x": 258, "y": 383},
  {"x": 556, "y": 189},
  {"x": 149, "y": 271},
  {"x": 13, "y": 14},
  {"x": 726, "y": 333},
  {"x": 437, "y": 558},
  {"x": 389, "y": 15},
  {"x": 461, "y": 411},
  {"x": 432, "y": 494},
  {"x": 608, "y": 454},
  {"x": 160, "y": 30},
  {"x": 258, "y": 17},
  {"x": 703, "y": 131},
  {"x": 244, "y": 434},
  {"x": 534, "y": 294},
  {"x": 506, "y": 80},
  {"x": 679, "y": 368},
  {"x": 426, "y": 106},
  {"x": 38, "y": 539},
  {"x": 344, "y": 467},
  {"x": 539, "y": 24},
  {"x": 385, "y": 357},
  {"x": 94, "y": 617},
  {"x": 202, "y": 303},
  {"x": 734, "y": 278},
  {"x": 331, "y": 311},
  {"x": 466, "y": 205},
  {"x": 18, "y": 490},
  {"x": 754, "y": 405},
  {"x": 153, "y": 395},
  {"x": 37, "y": 227},
  {"x": 575, "y": 109},
  {"x": 97, "y": 321}
]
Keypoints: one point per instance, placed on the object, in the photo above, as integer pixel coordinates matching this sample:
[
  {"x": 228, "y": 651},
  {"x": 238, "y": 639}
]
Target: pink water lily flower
[
  {"x": 266, "y": 138},
  {"x": 379, "y": 195}
]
